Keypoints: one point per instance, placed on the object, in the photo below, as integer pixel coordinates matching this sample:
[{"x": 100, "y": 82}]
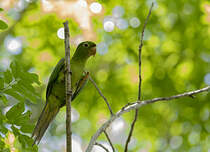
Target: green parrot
[{"x": 55, "y": 94}]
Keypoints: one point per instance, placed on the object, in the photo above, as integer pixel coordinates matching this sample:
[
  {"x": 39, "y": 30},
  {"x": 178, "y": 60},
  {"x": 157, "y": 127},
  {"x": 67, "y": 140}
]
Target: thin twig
[
  {"x": 99, "y": 91},
  {"x": 131, "y": 130},
  {"x": 68, "y": 89},
  {"x": 102, "y": 146},
  {"x": 140, "y": 47},
  {"x": 140, "y": 80},
  {"x": 136, "y": 105},
  {"x": 109, "y": 140}
]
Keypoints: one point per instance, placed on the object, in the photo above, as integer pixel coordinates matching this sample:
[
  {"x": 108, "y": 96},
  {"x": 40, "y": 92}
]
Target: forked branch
[
  {"x": 137, "y": 105},
  {"x": 140, "y": 80}
]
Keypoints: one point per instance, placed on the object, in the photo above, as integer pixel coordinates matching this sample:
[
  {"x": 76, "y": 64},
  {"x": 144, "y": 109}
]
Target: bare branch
[
  {"x": 135, "y": 105},
  {"x": 68, "y": 89},
  {"x": 110, "y": 142},
  {"x": 131, "y": 130},
  {"x": 140, "y": 80},
  {"x": 140, "y": 47},
  {"x": 102, "y": 146},
  {"x": 99, "y": 91}
]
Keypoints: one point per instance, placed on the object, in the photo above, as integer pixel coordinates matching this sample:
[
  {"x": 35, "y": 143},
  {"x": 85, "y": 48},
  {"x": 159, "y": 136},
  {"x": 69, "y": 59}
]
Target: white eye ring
[{"x": 85, "y": 45}]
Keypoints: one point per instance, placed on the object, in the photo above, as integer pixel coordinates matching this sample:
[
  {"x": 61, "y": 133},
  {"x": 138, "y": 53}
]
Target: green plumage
[{"x": 55, "y": 94}]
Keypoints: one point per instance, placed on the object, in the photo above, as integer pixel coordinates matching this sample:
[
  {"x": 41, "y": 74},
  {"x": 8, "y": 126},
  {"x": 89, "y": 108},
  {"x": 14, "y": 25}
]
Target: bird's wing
[
  {"x": 54, "y": 76},
  {"x": 80, "y": 85}
]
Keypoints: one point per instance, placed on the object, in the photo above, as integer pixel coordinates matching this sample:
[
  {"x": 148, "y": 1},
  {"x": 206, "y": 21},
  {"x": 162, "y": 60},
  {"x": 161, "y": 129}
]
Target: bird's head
[{"x": 86, "y": 49}]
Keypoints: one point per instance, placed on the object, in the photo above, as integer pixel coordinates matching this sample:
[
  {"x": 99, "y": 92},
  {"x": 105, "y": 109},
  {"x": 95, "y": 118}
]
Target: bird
[{"x": 55, "y": 92}]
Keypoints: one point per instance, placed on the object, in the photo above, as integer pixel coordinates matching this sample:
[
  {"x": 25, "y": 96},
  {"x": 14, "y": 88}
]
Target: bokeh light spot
[
  {"x": 13, "y": 45},
  {"x": 176, "y": 142},
  {"x": 45, "y": 56},
  {"x": 134, "y": 22},
  {"x": 21, "y": 5},
  {"x": 82, "y": 3},
  {"x": 76, "y": 145},
  {"x": 194, "y": 138},
  {"x": 5, "y": 62},
  {"x": 95, "y": 7},
  {"x": 109, "y": 26},
  {"x": 205, "y": 57},
  {"x": 102, "y": 48},
  {"x": 118, "y": 11},
  {"x": 122, "y": 24},
  {"x": 60, "y": 33},
  {"x": 195, "y": 149},
  {"x": 184, "y": 69},
  {"x": 75, "y": 115},
  {"x": 207, "y": 79},
  {"x": 186, "y": 127},
  {"x": 204, "y": 114},
  {"x": 161, "y": 143},
  {"x": 118, "y": 125},
  {"x": 47, "y": 6}
]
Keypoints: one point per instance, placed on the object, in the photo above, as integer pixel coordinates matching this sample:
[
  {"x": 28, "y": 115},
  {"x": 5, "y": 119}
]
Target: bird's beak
[{"x": 93, "y": 51}]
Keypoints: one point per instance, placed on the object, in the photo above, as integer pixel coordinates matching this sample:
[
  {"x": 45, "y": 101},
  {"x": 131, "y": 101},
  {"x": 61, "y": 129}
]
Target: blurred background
[{"x": 175, "y": 58}]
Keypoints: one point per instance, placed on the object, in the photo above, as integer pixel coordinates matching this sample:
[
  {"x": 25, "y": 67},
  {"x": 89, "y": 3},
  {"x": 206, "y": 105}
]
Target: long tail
[{"x": 47, "y": 115}]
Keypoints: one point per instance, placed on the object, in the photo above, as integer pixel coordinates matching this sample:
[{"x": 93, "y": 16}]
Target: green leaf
[
  {"x": 24, "y": 75},
  {"x": 23, "y": 119},
  {"x": 1, "y": 9},
  {"x": 27, "y": 128},
  {"x": 15, "y": 131},
  {"x": 25, "y": 141},
  {"x": 3, "y": 129},
  {"x": 8, "y": 76},
  {"x": 3, "y": 98},
  {"x": 15, "y": 112},
  {"x": 30, "y": 77},
  {"x": 33, "y": 78},
  {"x": 3, "y": 25},
  {"x": 24, "y": 91},
  {"x": 15, "y": 69},
  {"x": 28, "y": 86},
  {"x": 14, "y": 94}
]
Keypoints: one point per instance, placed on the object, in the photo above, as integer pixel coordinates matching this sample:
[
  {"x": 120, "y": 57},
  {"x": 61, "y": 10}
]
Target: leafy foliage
[
  {"x": 18, "y": 84},
  {"x": 3, "y": 25}
]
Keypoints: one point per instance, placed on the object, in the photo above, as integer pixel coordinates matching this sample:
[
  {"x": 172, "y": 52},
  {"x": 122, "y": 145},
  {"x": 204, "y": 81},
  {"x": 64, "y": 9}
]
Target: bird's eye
[{"x": 85, "y": 45}]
